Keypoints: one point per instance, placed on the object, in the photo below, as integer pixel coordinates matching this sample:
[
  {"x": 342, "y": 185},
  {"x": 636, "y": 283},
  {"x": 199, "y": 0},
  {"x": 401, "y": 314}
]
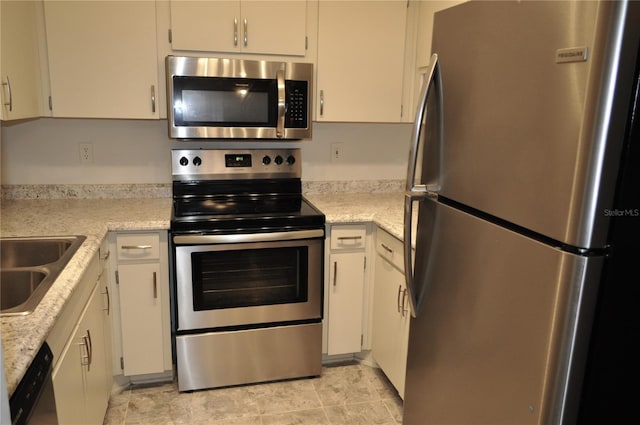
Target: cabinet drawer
[
  {"x": 348, "y": 237},
  {"x": 390, "y": 248},
  {"x": 138, "y": 246}
]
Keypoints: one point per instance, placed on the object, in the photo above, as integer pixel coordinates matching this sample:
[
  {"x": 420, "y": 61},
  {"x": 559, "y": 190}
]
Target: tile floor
[{"x": 345, "y": 394}]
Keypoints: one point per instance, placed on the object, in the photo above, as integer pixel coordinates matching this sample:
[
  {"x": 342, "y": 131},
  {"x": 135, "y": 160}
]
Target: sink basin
[
  {"x": 18, "y": 286},
  {"x": 28, "y": 268},
  {"x": 29, "y": 252}
]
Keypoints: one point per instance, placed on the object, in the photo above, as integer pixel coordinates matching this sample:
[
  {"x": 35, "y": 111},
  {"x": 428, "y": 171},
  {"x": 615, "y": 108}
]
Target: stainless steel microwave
[{"x": 213, "y": 98}]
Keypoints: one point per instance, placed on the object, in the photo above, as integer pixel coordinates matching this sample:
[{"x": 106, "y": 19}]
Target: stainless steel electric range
[{"x": 247, "y": 256}]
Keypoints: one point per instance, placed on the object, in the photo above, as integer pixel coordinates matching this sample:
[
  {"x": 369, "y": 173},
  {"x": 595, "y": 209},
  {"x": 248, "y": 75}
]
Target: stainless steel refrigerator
[{"x": 522, "y": 162}]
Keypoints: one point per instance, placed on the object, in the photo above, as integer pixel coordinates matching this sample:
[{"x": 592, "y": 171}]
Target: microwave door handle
[{"x": 282, "y": 106}]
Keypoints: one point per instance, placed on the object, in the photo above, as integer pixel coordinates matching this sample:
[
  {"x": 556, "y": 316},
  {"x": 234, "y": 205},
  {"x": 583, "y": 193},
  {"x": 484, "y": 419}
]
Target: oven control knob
[
  {"x": 266, "y": 160},
  {"x": 278, "y": 160},
  {"x": 291, "y": 160},
  {"x": 197, "y": 161},
  {"x": 184, "y": 161}
]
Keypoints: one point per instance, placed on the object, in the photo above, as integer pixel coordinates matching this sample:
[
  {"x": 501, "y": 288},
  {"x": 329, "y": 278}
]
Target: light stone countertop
[
  {"x": 384, "y": 209},
  {"x": 22, "y": 336}
]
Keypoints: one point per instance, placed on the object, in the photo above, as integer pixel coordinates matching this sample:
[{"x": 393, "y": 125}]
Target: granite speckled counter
[
  {"x": 23, "y": 335},
  {"x": 384, "y": 209}
]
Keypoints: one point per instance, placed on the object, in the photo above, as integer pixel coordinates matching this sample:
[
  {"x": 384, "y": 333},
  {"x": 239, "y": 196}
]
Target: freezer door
[
  {"x": 499, "y": 325},
  {"x": 534, "y": 119}
]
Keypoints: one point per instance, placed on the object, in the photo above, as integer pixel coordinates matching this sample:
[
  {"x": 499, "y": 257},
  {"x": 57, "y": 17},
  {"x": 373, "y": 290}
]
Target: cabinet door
[
  {"x": 20, "y": 61},
  {"x": 102, "y": 58},
  {"x": 360, "y": 61},
  {"x": 346, "y": 286},
  {"x": 390, "y": 322},
  {"x": 212, "y": 26},
  {"x": 107, "y": 311},
  {"x": 274, "y": 27},
  {"x": 267, "y": 27},
  {"x": 95, "y": 373},
  {"x": 141, "y": 318},
  {"x": 80, "y": 376},
  {"x": 68, "y": 383}
]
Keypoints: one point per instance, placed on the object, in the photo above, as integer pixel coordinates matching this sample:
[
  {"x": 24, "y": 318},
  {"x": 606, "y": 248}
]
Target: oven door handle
[{"x": 199, "y": 239}]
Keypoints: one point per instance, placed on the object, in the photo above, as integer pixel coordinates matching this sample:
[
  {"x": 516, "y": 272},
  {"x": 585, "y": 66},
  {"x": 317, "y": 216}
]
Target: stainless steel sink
[{"x": 28, "y": 268}]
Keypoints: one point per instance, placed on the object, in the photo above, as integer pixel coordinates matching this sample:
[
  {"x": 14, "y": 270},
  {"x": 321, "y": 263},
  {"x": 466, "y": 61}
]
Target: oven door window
[
  {"x": 228, "y": 102},
  {"x": 251, "y": 277}
]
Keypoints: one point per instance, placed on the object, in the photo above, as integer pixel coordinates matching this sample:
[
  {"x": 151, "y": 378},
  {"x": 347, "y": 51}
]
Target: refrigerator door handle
[
  {"x": 408, "y": 254},
  {"x": 433, "y": 79},
  {"x": 415, "y": 191}
]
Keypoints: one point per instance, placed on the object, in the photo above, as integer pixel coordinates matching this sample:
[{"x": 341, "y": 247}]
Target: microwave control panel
[{"x": 296, "y": 115}]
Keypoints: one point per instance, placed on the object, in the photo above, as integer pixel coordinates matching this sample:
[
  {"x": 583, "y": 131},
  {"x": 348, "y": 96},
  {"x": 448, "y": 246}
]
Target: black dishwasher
[{"x": 32, "y": 402}]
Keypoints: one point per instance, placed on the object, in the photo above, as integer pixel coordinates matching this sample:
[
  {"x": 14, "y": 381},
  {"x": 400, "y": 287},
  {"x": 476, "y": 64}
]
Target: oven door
[{"x": 247, "y": 279}]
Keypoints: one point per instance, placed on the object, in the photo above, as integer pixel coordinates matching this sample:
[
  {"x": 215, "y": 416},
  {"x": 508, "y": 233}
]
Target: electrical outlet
[
  {"x": 336, "y": 152},
  {"x": 86, "y": 153}
]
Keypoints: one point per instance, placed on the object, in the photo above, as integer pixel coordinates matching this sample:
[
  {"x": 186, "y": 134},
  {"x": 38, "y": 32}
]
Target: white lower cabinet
[
  {"x": 142, "y": 333},
  {"x": 107, "y": 312},
  {"x": 391, "y": 316},
  {"x": 346, "y": 288},
  {"x": 141, "y": 315},
  {"x": 82, "y": 376}
]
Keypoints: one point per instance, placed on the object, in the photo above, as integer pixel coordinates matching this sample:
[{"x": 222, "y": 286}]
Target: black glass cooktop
[{"x": 247, "y": 206}]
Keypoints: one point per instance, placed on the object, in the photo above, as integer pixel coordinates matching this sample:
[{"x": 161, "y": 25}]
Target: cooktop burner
[{"x": 242, "y": 191}]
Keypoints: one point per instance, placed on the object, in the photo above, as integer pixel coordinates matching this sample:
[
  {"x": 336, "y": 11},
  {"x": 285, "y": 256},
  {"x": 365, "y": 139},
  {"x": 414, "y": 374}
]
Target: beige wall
[{"x": 45, "y": 151}]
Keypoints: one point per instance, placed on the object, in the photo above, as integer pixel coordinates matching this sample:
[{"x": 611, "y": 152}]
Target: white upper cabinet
[
  {"x": 102, "y": 58},
  {"x": 20, "y": 65},
  {"x": 360, "y": 61},
  {"x": 262, "y": 27}
]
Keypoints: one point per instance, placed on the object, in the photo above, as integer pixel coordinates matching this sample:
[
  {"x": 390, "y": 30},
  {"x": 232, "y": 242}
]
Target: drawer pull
[
  {"x": 246, "y": 32},
  {"x": 335, "y": 273},
  {"x": 349, "y": 238},
  {"x": 10, "y": 102},
  {"x": 404, "y": 307},
  {"x": 153, "y": 99},
  {"x": 155, "y": 285},
  {"x": 386, "y": 248},
  {"x": 136, "y": 247},
  {"x": 106, "y": 292},
  {"x": 235, "y": 31},
  {"x": 88, "y": 359},
  {"x": 90, "y": 350}
]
